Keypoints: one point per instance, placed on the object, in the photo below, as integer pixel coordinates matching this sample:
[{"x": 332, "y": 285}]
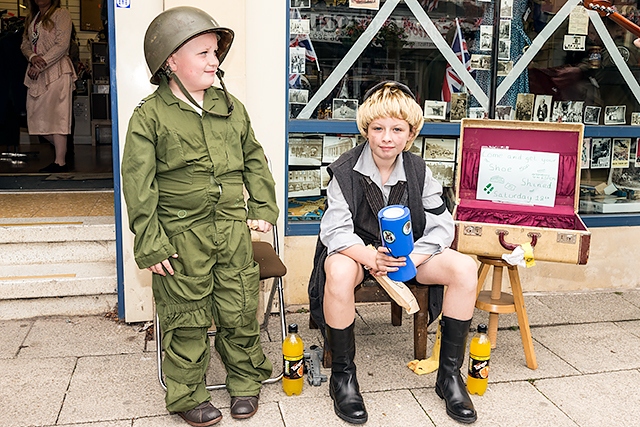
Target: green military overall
[{"x": 183, "y": 177}]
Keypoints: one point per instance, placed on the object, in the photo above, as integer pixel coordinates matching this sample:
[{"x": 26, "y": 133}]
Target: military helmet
[{"x": 173, "y": 28}]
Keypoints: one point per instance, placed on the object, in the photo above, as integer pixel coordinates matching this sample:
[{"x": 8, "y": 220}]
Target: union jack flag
[{"x": 452, "y": 82}]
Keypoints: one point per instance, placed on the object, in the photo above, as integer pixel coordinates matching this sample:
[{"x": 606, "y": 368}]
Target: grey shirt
[{"x": 336, "y": 227}]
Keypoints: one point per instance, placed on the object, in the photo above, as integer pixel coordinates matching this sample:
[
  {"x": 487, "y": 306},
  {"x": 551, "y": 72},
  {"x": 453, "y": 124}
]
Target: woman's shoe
[{"x": 55, "y": 168}]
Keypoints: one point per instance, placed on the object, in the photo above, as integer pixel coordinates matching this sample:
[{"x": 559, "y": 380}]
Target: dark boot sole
[
  {"x": 348, "y": 419},
  {"x": 343, "y": 416},
  {"x": 451, "y": 414},
  {"x": 205, "y": 424}
]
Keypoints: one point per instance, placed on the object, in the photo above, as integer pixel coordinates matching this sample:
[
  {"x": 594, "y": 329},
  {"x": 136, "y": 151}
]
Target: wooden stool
[{"x": 497, "y": 302}]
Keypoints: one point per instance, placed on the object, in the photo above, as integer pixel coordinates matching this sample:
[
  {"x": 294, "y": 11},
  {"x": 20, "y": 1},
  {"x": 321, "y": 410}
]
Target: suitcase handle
[{"x": 511, "y": 246}]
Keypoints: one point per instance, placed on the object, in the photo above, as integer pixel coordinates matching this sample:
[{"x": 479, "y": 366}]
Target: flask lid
[
  {"x": 293, "y": 328},
  {"x": 482, "y": 328}
]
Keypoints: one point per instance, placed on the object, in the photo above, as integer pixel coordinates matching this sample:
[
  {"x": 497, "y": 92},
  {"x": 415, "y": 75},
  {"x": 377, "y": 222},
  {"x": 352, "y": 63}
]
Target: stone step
[
  {"x": 57, "y": 306},
  {"x": 57, "y": 253},
  {"x": 49, "y": 230},
  {"x": 30, "y": 281}
]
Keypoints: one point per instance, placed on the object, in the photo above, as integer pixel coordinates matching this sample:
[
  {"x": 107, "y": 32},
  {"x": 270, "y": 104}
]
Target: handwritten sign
[{"x": 520, "y": 177}]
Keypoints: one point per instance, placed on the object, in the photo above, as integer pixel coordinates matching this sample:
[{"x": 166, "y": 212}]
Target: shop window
[{"x": 556, "y": 61}]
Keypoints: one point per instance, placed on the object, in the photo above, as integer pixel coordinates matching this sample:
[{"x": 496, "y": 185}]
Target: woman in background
[{"x": 50, "y": 76}]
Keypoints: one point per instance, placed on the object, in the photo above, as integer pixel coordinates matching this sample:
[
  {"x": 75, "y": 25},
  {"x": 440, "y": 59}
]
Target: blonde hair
[{"x": 391, "y": 100}]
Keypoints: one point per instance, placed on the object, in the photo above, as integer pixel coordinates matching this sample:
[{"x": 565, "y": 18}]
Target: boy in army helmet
[{"x": 189, "y": 151}]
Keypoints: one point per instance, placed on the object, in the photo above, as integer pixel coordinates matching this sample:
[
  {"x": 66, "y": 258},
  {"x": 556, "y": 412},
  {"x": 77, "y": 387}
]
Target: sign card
[{"x": 519, "y": 177}]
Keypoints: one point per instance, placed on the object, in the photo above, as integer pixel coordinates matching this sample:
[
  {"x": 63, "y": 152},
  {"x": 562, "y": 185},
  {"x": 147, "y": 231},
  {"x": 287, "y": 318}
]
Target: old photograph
[
  {"x": 480, "y": 62},
  {"x": 334, "y": 146},
  {"x": 477, "y": 113},
  {"x": 504, "y": 50},
  {"x": 298, "y": 96},
  {"x": 635, "y": 119},
  {"x": 542, "y": 108},
  {"x": 324, "y": 177},
  {"x": 505, "y": 29},
  {"x": 458, "y": 110},
  {"x": 301, "y": 3},
  {"x": 600, "y": 153},
  {"x": 443, "y": 172},
  {"x": 503, "y": 112},
  {"x": 296, "y": 60},
  {"x": 591, "y": 115},
  {"x": 524, "y": 106},
  {"x": 435, "y": 110},
  {"x": 486, "y": 34},
  {"x": 506, "y": 9},
  {"x": 567, "y": 111},
  {"x": 344, "y": 109},
  {"x": 574, "y": 43},
  {"x": 417, "y": 146},
  {"x": 305, "y": 150},
  {"x": 614, "y": 114},
  {"x": 364, "y": 4},
  {"x": 586, "y": 151},
  {"x": 304, "y": 182},
  {"x": 629, "y": 177},
  {"x": 504, "y": 67},
  {"x": 443, "y": 149},
  {"x": 621, "y": 152},
  {"x": 299, "y": 26}
]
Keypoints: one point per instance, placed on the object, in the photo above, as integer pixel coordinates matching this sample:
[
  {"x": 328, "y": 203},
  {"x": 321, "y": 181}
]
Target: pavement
[{"x": 98, "y": 372}]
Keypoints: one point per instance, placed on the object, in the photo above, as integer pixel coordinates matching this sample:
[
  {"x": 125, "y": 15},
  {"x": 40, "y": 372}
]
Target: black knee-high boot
[
  {"x": 343, "y": 385},
  {"x": 449, "y": 383}
]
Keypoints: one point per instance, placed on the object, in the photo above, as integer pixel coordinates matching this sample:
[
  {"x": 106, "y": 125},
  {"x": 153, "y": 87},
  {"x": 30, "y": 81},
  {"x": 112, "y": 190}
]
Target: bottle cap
[
  {"x": 293, "y": 328},
  {"x": 482, "y": 328}
]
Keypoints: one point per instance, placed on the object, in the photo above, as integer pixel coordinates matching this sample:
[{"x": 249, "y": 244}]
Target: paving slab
[
  {"x": 381, "y": 362},
  {"x": 632, "y": 327},
  {"x": 591, "y": 307},
  {"x": 81, "y": 336},
  {"x": 13, "y": 333},
  {"x": 597, "y": 347},
  {"x": 107, "y": 388},
  {"x": 385, "y": 409},
  {"x": 508, "y": 362},
  {"x": 268, "y": 415},
  {"x": 606, "y": 399},
  {"x": 33, "y": 390},
  {"x": 119, "y": 423},
  {"x": 633, "y": 296},
  {"x": 516, "y": 404}
]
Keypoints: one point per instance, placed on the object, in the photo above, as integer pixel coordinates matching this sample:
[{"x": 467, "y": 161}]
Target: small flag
[{"x": 452, "y": 82}]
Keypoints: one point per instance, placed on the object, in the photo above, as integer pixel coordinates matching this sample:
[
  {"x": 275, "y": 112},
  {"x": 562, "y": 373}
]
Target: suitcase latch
[
  {"x": 472, "y": 230},
  {"x": 569, "y": 238}
]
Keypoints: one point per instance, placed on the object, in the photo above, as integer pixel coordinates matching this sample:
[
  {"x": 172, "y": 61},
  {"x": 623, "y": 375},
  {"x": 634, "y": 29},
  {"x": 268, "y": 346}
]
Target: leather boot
[
  {"x": 343, "y": 385},
  {"x": 449, "y": 383}
]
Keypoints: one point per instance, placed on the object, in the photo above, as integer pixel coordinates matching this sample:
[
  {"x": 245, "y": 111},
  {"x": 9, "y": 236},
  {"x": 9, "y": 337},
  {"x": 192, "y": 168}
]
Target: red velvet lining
[{"x": 561, "y": 215}]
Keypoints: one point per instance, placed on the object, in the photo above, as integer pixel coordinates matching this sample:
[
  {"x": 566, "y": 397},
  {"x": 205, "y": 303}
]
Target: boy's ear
[{"x": 171, "y": 62}]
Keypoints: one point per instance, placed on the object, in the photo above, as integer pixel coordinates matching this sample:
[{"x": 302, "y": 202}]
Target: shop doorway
[{"x": 89, "y": 148}]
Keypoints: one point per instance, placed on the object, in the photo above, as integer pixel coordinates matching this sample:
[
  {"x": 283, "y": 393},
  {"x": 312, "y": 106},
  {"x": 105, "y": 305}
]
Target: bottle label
[
  {"x": 293, "y": 368},
  {"x": 479, "y": 367}
]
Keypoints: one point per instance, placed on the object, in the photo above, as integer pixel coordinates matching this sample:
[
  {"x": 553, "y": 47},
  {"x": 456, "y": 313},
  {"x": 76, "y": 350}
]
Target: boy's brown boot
[{"x": 205, "y": 414}]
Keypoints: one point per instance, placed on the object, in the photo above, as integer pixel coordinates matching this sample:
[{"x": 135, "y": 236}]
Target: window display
[{"x": 557, "y": 61}]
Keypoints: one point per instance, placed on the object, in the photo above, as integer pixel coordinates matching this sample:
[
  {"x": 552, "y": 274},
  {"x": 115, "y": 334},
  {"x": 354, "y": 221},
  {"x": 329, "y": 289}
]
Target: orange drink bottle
[
  {"x": 293, "y": 362},
  {"x": 479, "y": 355}
]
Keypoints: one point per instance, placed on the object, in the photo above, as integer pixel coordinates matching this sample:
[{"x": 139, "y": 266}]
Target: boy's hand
[
  {"x": 160, "y": 267},
  {"x": 386, "y": 263},
  {"x": 259, "y": 225}
]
